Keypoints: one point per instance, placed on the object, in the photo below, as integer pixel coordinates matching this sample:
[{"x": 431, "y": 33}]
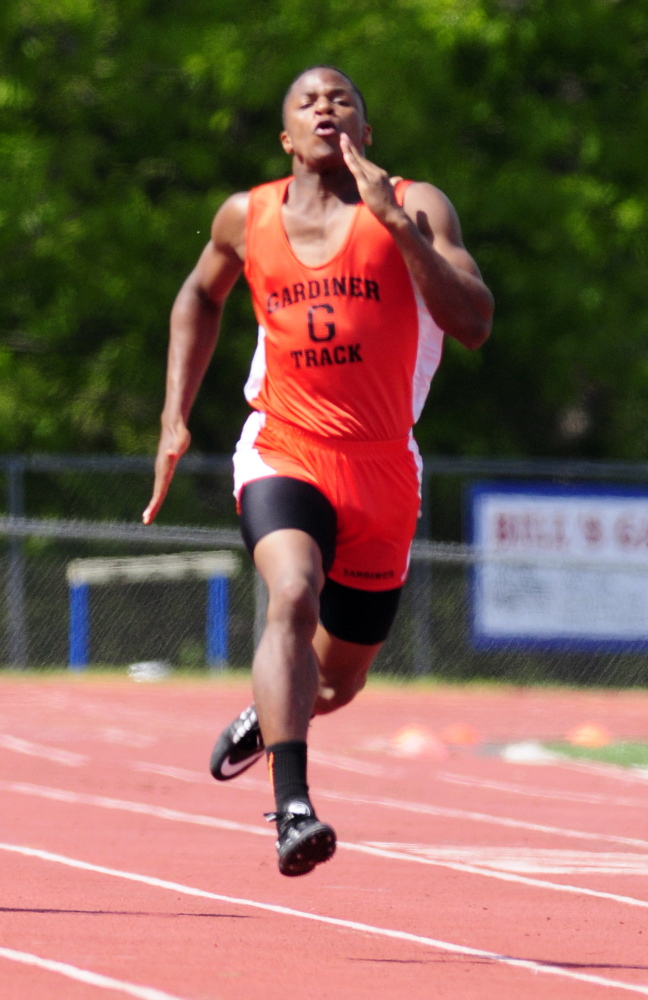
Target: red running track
[{"x": 128, "y": 872}]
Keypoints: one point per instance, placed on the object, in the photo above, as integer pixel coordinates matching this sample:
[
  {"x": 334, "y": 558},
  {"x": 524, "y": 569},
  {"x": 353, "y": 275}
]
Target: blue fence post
[
  {"x": 79, "y": 625},
  {"x": 217, "y": 621}
]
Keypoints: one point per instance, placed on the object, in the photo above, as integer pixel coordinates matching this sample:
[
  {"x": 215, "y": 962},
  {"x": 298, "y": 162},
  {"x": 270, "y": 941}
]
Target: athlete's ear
[
  {"x": 367, "y": 135},
  {"x": 286, "y": 142}
]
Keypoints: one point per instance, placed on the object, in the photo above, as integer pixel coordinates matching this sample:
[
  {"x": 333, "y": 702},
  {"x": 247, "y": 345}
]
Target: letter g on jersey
[{"x": 319, "y": 329}]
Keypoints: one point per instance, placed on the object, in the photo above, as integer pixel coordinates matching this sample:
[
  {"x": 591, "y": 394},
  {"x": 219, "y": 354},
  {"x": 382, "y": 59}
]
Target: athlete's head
[
  {"x": 353, "y": 87},
  {"x": 320, "y": 104}
]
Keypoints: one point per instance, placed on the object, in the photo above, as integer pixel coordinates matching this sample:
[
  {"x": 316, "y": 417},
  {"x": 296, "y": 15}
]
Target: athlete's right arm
[{"x": 195, "y": 323}]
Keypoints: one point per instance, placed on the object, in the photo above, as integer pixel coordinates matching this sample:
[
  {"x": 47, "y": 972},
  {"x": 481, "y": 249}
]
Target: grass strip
[{"x": 621, "y": 754}]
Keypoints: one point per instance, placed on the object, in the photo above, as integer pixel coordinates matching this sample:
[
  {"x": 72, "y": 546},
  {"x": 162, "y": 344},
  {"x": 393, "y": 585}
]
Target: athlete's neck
[{"x": 322, "y": 188}]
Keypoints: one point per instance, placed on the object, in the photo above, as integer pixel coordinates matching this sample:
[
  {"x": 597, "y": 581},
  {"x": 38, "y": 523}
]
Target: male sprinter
[{"x": 354, "y": 279}]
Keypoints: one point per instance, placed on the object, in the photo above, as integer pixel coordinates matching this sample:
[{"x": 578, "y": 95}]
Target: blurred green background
[{"x": 125, "y": 123}]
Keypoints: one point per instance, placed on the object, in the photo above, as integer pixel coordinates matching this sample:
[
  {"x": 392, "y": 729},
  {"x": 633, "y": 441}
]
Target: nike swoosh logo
[{"x": 229, "y": 769}]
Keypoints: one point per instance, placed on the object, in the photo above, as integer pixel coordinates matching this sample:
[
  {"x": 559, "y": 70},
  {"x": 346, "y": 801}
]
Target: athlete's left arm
[{"x": 427, "y": 232}]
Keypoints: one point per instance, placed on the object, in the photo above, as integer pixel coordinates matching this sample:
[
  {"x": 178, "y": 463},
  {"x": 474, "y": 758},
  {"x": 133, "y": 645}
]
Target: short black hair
[{"x": 354, "y": 87}]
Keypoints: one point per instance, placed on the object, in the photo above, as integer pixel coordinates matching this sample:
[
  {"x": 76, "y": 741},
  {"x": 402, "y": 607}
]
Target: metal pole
[{"x": 15, "y": 585}]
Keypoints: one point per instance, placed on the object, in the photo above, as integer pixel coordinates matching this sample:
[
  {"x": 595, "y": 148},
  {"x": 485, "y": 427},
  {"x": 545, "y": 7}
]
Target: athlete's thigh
[
  {"x": 358, "y": 617},
  {"x": 279, "y": 503}
]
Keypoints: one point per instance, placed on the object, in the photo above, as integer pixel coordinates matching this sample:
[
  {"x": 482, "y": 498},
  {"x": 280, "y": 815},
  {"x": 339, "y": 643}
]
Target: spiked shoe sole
[{"x": 312, "y": 846}]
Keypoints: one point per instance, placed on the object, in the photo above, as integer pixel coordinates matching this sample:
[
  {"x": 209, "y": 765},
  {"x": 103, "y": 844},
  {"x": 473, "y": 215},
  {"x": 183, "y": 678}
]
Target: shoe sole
[
  {"x": 222, "y": 769},
  {"x": 221, "y": 766},
  {"x": 314, "y": 847}
]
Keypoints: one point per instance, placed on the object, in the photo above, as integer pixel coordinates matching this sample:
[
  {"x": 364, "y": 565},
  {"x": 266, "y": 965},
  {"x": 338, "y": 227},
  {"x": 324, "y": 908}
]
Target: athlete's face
[{"x": 319, "y": 107}]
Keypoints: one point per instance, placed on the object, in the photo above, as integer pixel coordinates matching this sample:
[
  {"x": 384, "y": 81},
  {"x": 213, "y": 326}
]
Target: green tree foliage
[{"x": 124, "y": 124}]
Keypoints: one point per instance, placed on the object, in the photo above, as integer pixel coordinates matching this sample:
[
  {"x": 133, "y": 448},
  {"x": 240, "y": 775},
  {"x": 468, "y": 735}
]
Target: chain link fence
[{"x": 60, "y": 509}]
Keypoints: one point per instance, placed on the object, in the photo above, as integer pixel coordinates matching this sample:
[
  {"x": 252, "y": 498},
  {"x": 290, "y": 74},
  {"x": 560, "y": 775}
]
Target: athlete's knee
[
  {"x": 337, "y": 692},
  {"x": 294, "y": 602}
]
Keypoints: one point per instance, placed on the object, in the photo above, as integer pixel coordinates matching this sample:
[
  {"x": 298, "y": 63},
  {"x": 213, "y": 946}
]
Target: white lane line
[
  {"x": 422, "y": 808},
  {"x": 65, "y": 757},
  {"x": 179, "y": 773},
  {"x": 338, "y": 761},
  {"x": 631, "y": 775},
  {"x": 400, "y": 854},
  {"x": 536, "y": 792},
  {"x": 84, "y": 976},
  {"x": 479, "y": 817},
  {"x": 123, "y": 805},
  {"x": 354, "y": 925},
  {"x": 201, "y": 777},
  {"x": 530, "y": 861},
  {"x": 62, "y": 795},
  {"x": 344, "y": 763}
]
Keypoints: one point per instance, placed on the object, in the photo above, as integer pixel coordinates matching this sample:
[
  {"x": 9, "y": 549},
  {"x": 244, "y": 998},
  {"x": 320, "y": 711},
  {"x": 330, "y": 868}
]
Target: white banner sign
[{"x": 560, "y": 567}]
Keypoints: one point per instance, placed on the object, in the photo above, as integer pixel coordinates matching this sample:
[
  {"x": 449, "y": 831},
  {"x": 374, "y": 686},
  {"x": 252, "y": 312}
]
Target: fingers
[
  {"x": 151, "y": 511},
  {"x": 149, "y": 514},
  {"x": 351, "y": 157},
  {"x": 358, "y": 164},
  {"x": 373, "y": 182},
  {"x": 361, "y": 168},
  {"x": 165, "y": 466},
  {"x": 163, "y": 476}
]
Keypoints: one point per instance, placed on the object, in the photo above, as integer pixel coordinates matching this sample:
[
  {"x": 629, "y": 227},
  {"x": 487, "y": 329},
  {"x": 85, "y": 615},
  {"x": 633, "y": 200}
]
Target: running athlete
[{"x": 355, "y": 278}]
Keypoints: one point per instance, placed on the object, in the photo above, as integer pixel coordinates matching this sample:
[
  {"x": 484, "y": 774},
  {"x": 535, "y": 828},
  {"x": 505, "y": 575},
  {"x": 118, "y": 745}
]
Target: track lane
[
  {"x": 414, "y": 853},
  {"x": 174, "y": 729},
  {"x": 464, "y": 951},
  {"x": 450, "y": 904}
]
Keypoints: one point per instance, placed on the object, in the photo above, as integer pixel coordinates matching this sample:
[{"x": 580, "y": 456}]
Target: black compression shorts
[{"x": 276, "y": 502}]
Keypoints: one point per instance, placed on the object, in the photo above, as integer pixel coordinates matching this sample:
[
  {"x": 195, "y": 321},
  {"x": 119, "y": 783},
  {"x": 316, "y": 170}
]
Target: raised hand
[{"x": 374, "y": 184}]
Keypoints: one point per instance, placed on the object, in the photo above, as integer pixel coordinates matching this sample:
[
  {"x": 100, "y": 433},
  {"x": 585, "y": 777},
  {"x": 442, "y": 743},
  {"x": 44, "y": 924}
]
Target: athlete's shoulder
[
  {"x": 425, "y": 194},
  {"x": 228, "y": 227},
  {"x": 432, "y": 210},
  {"x": 234, "y": 209}
]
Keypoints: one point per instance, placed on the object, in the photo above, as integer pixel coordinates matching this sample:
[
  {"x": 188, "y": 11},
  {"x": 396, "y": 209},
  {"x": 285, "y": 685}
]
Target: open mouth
[{"x": 325, "y": 128}]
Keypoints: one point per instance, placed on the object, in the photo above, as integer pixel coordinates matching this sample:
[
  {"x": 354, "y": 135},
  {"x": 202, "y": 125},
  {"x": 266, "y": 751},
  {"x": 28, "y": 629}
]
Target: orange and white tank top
[{"x": 346, "y": 349}]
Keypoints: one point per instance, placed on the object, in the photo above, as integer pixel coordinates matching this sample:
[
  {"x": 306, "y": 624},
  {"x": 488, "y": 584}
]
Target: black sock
[{"x": 287, "y": 766}]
